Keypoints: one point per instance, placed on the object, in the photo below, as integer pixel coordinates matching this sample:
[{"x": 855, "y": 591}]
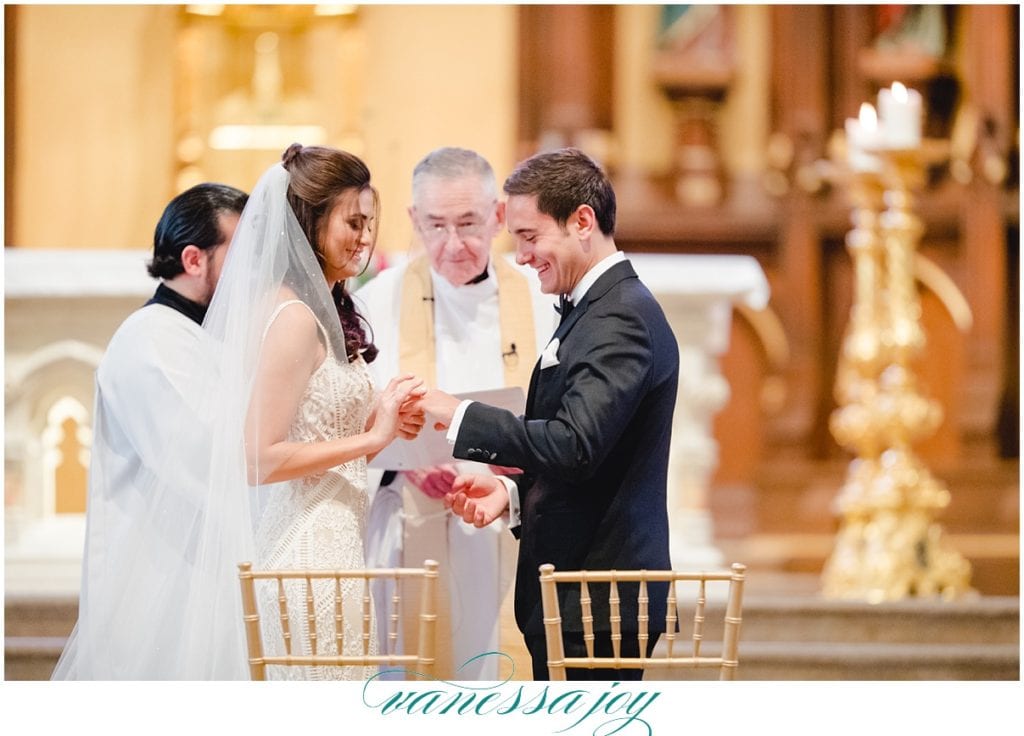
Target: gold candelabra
[{"x": 889, "y": 545}]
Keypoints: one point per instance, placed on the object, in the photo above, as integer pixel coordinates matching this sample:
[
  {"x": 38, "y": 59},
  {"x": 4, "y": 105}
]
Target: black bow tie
[{"x": 564, "y": 307}]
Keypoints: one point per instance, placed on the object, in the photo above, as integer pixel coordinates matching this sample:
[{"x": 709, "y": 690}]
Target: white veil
[{"x": 163, "y": 601}]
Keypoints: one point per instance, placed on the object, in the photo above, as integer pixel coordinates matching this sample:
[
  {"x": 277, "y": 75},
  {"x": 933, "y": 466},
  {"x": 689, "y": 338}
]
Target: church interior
[{"x": 881, "y": 539}]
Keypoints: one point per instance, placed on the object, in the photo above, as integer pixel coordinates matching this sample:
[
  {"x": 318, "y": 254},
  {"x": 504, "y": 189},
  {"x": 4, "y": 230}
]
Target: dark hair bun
[{"x": 290, "y": 154}]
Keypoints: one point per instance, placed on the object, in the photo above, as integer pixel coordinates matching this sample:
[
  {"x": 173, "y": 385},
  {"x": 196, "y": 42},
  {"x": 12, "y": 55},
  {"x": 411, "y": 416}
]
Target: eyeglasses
[{"x": 435, "y": 233}]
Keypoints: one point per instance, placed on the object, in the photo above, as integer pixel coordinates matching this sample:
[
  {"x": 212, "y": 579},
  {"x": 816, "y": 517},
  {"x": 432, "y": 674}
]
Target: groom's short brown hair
[{"x": 563, "y": 180}]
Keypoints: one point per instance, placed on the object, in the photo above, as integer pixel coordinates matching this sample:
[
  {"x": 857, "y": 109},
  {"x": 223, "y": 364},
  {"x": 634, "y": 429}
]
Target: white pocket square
[{"x": 550, "y": 355}]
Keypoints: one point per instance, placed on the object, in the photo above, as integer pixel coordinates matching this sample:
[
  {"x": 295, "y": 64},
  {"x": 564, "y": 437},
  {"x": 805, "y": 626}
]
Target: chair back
[
  {"x": 422, "y": 656},
  {"x": 671, "y": 653}
]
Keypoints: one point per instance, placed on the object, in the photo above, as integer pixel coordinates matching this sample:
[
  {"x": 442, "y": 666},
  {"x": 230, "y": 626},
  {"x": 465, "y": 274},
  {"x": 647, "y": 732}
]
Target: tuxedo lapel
[
  {"x": 532, "y": 391},
  {"x": 615, "y": 274},
  {"x": 574, "y": 316}
]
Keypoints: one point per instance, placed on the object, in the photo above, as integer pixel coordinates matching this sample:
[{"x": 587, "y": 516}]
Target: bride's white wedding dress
[{"x": 318, "y": 522}]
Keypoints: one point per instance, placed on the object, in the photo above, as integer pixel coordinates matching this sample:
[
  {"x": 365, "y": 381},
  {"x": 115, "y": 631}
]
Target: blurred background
[{"x": 721, "y": 127}]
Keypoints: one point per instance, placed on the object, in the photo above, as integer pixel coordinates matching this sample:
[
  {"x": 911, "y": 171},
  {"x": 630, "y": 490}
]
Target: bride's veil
[{"x": 163, "y": 601}]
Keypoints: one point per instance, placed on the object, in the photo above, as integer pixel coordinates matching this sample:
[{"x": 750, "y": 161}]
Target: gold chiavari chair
[
  {"x": 421, "y": 656},
  {"x": 672, "y": 653}
]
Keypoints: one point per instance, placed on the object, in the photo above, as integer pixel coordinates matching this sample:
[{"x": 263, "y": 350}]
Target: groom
[{"x": 594, "y": 441}]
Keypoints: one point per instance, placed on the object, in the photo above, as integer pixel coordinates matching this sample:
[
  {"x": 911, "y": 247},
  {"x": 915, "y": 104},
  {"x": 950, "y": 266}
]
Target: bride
[
  {"x": 309, "y": 429},
  {"x": 274, "y": 471}
]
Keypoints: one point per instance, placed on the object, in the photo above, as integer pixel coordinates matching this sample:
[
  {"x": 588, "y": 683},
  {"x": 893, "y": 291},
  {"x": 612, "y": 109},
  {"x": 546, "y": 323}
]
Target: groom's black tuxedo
[{"x": 594, "y": 445}]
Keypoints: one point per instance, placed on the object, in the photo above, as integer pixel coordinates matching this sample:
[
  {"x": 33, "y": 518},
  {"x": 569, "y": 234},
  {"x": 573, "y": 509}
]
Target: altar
[{"x": 698, "y": 293}]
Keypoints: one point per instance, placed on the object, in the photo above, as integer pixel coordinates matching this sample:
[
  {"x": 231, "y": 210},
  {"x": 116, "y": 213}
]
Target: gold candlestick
[{"x": 888, "y": 546}]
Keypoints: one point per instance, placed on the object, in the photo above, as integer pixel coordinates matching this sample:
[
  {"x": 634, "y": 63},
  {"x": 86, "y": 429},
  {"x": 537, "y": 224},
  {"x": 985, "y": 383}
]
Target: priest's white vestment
[{"x": 477, "y": 565}]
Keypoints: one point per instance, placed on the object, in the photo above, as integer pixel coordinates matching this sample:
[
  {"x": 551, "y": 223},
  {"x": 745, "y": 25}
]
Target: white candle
[
  {"x": 862, "y": 138},
  {"x": 900, "y": 111}
]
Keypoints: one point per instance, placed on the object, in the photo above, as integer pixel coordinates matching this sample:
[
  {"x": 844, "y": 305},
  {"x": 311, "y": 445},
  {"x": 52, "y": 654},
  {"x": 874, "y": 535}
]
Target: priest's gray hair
[{"x": 453, "y": 163}]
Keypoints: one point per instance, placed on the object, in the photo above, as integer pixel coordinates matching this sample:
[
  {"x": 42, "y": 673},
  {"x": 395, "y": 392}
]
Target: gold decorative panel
[{"x": 252, "y": 79}]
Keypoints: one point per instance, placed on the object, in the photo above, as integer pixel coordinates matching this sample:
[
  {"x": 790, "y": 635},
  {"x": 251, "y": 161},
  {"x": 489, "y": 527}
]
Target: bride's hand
[{"x": 397, "y": 397}]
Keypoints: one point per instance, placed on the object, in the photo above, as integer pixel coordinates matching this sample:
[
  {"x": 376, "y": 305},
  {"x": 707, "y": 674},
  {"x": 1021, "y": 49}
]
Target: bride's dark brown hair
[{"x": 318, "y": 176}]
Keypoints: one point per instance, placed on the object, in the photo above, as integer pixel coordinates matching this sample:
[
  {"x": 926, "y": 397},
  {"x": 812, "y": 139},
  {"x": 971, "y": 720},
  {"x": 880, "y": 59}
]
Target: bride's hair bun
[{"x": 290, "y": 154}]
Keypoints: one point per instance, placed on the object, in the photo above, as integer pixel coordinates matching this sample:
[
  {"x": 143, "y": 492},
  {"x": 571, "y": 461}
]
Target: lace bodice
[
  {"x": 318, "y": 521},
  {"x": 336, "y": 403}
]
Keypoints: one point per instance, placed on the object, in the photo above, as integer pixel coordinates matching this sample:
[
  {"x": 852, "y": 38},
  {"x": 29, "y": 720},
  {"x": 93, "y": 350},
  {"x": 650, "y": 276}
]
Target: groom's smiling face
[{"x": 554, "y": 251}]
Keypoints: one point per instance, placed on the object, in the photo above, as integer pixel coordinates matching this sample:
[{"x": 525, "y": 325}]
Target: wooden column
[
  {"x": 851, "y": 32},
  {"x": 799, "y": 55},
  {"x": 989, "y": 86},
  {"x": 566, "y": 63}
]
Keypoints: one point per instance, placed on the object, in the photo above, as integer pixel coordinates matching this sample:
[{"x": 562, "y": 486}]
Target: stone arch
[
  {"x": 66, "y": 442},
  {"x": 58, "y": 377}
]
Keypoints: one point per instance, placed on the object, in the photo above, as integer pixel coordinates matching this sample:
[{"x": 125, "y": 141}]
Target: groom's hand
[
  {"x": 477, "y": 499},
  {"x": 440, "y": 407},
  {"x": 477, "y": 485}
]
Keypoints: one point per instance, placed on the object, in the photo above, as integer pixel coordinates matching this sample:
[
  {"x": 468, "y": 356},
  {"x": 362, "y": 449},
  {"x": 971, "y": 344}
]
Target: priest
[{"x": 466, "y": 319}]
